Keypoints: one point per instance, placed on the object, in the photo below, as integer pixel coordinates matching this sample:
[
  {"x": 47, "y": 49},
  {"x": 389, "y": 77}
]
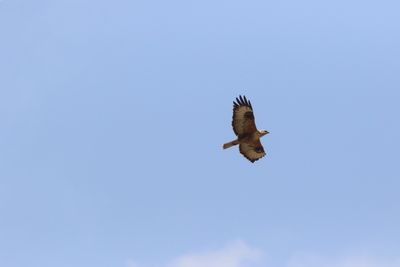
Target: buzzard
[{"x": 244, "y": 127}]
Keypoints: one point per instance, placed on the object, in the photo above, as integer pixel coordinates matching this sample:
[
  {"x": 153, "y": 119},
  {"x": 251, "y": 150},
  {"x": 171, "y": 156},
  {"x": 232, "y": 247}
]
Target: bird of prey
[{"x": 244, "y": 127}]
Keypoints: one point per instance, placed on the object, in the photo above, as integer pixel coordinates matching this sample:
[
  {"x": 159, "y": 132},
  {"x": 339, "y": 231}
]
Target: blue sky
[{"x": 113, "y": 114}]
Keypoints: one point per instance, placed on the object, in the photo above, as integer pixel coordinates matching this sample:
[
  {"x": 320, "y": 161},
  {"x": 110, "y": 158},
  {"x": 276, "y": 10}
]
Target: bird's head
[{"x": 263, "y": 132}]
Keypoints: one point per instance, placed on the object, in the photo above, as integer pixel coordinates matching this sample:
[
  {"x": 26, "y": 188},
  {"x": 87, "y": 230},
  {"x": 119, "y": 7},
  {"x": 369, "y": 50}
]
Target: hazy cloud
[
  {"x": 239, "y": 254},
  {"x": 354, "y": 261},
  {"x": 234, "y": 255}
]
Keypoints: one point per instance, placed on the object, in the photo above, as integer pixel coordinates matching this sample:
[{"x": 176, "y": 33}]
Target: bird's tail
[{"x": 230, "y": 144}]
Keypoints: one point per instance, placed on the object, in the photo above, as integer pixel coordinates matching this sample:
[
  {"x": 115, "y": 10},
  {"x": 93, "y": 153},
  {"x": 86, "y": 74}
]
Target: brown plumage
[{"x": 244, "y": 127}]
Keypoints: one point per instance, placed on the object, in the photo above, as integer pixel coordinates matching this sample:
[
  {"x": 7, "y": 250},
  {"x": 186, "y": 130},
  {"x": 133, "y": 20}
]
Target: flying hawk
[{"x": 244, "y": 127}]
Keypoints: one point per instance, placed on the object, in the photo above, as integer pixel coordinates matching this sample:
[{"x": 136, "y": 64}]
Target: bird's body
[{"x": 248, "y": 136}]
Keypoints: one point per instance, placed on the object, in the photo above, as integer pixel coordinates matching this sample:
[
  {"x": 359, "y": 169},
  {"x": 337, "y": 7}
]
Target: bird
[{"x": 244, "y": 127}]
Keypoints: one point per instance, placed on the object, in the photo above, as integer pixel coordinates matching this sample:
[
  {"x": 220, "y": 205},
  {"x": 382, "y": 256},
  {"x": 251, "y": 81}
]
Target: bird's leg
[{"x": 230, "y": 144}]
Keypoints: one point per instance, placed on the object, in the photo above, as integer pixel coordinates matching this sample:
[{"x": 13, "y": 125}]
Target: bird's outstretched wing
[
  {"x": 243, "y": 122},
  {"x": 253, "y": 151}
]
